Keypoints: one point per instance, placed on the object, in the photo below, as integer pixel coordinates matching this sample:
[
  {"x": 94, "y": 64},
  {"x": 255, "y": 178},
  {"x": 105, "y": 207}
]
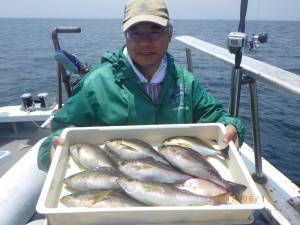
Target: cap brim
[{"x": 145, "y": 18}]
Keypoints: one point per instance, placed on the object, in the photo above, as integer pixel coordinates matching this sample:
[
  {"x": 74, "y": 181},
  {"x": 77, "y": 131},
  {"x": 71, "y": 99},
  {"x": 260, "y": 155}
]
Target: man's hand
[
  {"x": 231, "y": 134},
  {"x": 55, "y": 142}
]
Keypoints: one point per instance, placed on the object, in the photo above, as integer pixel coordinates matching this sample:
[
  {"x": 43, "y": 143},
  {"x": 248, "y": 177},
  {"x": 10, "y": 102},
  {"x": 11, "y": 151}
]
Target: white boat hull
[{"x": 20, "y": 188}]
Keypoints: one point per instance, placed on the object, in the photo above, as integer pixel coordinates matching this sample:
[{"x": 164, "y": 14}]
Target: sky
[{"x": 179, "y": 9}]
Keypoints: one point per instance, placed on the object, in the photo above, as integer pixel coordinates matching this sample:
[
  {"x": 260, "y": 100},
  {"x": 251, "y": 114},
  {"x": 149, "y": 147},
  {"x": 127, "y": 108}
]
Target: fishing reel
[
  {"x": 256, "y": 40},
  {"x": 238, "y": 41}
]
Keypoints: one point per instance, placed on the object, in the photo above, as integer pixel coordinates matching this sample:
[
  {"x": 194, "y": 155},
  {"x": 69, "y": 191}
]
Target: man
[{"x": 139, "y": 85}]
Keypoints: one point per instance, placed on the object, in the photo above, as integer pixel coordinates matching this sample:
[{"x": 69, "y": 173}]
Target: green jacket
[{"x": 111, "y": 94}]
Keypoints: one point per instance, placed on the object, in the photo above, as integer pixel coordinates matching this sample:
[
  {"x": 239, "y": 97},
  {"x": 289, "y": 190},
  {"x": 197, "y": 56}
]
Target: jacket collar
[{"x": 123, "y": 70}]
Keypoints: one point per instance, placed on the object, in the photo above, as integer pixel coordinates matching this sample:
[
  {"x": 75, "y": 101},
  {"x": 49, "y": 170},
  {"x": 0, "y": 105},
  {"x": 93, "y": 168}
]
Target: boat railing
[
  {"x": 251, "y": 71},
  {"x": 61, "y": 72}
]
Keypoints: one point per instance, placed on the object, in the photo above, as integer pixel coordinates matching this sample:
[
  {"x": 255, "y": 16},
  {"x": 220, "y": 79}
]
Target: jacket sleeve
[
  {"x": 77, "y": 111},
  {"x": 206, "y": 109}
]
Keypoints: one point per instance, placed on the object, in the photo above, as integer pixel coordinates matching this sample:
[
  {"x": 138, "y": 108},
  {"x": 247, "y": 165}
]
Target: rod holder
[
  {"x": 235, "y": 91},
  {"x": 258, "y": 175}
]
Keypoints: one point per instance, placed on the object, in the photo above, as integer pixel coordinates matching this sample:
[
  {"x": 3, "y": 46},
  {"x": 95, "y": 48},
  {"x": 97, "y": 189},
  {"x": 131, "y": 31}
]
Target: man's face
[{"x": 146, "y": 44}]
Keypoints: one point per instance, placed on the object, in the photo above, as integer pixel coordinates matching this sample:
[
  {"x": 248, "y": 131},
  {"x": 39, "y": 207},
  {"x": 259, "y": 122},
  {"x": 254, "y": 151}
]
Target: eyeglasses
[{"x": 153, "y": 35}]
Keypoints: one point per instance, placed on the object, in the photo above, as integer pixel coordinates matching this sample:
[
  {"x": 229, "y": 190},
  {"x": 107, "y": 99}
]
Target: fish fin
[
  {"x": 206, "y": 157},
  {"x": 221, "y": 199},
  {"x": 235, "y": 189},
  {"x": 182, "y": 144},
  {"x": 225, "y": 152},
  {"x": 150, "y": 187},
  {"x": 127, "y": 147},
  {"x": 102, "y": 195}
]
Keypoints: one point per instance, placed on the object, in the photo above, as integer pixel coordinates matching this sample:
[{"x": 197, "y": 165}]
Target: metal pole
[
  {"x": 258, "y": 176},
  {"x": 59, "y": 91},
  {"x": 235, "y": 91},
  {"x": 189, "y": 61},
  {"x": 61, "y": 72},
  {"x": 58, "y": 30}
]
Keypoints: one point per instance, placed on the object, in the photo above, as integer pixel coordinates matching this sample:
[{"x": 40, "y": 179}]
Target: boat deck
[
  {"x": 18, "y": 143},
  {"x": 20, "y": 129}
]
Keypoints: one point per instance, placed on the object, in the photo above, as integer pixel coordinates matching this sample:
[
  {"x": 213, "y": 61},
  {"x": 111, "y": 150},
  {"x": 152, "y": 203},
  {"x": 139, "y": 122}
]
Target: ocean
[{"x": 27, "y": 65}]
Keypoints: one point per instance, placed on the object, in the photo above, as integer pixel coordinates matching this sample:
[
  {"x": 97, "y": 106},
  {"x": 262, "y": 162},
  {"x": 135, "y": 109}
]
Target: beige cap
[{"x": 137, "y": 11}]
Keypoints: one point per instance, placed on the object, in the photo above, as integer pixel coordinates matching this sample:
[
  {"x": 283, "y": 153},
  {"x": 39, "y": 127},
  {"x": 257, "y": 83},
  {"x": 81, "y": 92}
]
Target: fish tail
[
  {"x": 66, "y": 181},
  {"x": 225, "y": 152},
  {"x": 234, "y": 188}
]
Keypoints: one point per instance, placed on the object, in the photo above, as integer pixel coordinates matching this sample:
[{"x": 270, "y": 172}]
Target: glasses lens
[
  {"x": 155, "y": 35},
  {"x": 152, "y": 35},
  {"x": 133, "y": 35}
]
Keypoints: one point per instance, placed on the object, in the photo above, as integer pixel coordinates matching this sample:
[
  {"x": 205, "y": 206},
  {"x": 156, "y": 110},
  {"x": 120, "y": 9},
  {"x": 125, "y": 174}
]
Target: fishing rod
[{"x": 237, "y": 42}]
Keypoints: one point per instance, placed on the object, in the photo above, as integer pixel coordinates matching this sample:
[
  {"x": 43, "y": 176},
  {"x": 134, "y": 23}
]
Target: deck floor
[{"x": 18, "y": 143}]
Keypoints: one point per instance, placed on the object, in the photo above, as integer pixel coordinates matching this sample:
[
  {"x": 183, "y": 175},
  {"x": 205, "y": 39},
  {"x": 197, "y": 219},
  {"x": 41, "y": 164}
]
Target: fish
[
  {"x": 158, "y": 194},
  {"x": 113, "y": 156},
  {"x": 203, "y": 147},
  {"x": 150, "y": 170},
  {"x": 101, "y": 178},
  {"x": 99, "y": 199},
  {"x": 202, "y": 187},
  {"x": 90, "y": 156},
  {"x": 192, "y": 163},
  {"x": 129, "y": 149}
]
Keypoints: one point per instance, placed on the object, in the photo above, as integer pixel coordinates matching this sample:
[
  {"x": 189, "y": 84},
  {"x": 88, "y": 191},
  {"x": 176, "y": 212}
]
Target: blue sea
[{"x": 27, "y": 65}]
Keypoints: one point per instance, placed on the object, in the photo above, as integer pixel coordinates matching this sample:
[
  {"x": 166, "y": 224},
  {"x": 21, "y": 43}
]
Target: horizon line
[{"x": 114, "y": 18}]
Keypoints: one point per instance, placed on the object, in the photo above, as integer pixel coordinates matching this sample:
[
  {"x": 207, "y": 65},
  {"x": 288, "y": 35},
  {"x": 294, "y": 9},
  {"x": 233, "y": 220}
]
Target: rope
[{"x": 31, "y": 109}]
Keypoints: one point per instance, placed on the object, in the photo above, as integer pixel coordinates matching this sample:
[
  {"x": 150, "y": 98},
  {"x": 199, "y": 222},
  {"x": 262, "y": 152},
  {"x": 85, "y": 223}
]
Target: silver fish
[
  {"x": 129, "y": 149},
  {"x": 198, "y": 145},
  {"x": 201, "y": 187},
  {"x": 192, "y": 163},
  {"x": 150, "y": 170},
  {"x": 102, "y": 178},
  {"x": 90, "y": 156},
  {"x": 157, "y": 194},
  {"x": 99, "y": 198}
]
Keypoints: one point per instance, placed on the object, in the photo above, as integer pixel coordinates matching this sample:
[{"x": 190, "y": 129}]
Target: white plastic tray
[{"x": 232, "y": 169}]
